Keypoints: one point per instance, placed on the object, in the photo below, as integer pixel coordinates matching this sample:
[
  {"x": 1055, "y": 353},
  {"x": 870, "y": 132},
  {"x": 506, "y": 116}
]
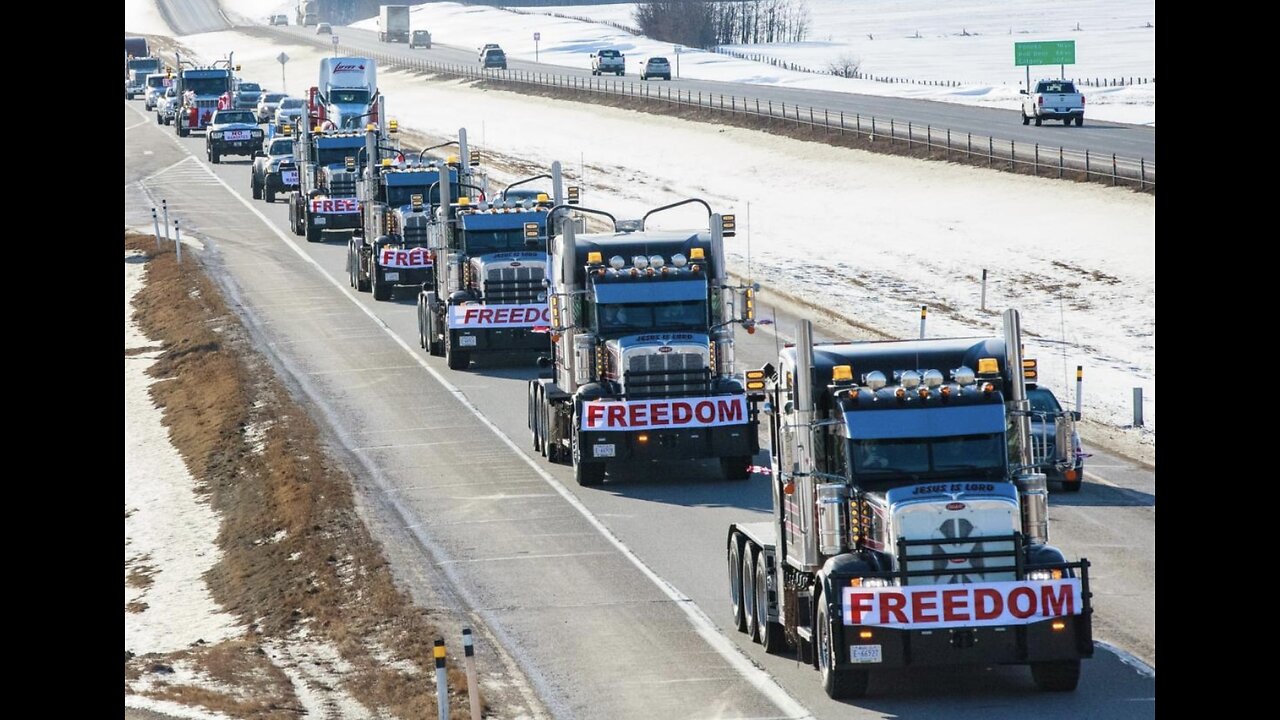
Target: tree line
[{"x": 707, "y": 24}]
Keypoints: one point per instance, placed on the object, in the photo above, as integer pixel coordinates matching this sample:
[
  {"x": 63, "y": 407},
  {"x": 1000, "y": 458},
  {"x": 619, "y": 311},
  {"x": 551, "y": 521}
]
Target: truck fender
[
  {"x": 1044, "y": 554},
  {"x": 834, "y": 576}
]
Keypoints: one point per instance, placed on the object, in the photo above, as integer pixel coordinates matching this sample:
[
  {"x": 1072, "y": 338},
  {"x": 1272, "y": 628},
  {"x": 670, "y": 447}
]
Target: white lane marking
[
  {"x": 524, "y": 557},
  {"x": 165, "y": 169},
  {"x": 137, "y": 124},
  {"x": 1129, "y": 659},
  {"x": 702, "y": 624},
  {"x": 367, "y": 448}
]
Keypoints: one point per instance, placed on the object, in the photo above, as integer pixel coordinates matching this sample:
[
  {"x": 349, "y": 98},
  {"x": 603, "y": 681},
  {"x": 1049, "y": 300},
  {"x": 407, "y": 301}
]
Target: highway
[{"x": 613, "y": 599}]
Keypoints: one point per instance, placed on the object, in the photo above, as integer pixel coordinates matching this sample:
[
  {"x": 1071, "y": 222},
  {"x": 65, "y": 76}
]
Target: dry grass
[{"x": 291, "y": 486}]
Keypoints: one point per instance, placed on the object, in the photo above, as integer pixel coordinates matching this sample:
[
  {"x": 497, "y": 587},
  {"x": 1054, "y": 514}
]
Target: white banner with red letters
[
  {"x": 334, "y": 206},
  {"x": 289, "y": 177},
  {"x": 925, "y": 607},
  {"x": 411, "y": 258},
  {"x": 499, "y": 316},
  {"x": 678, "y": 413},
  {"x": 236, "y": 134}
]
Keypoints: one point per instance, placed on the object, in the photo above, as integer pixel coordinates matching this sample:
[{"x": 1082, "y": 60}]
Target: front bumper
[
  {"x": 985, "y": 645},
  {"x": 335, "y": 221},
  {"x": 235, "y": 147},
  {"x": 688, "y": 443},
  {"x": 499, "y": 340},
  {"x": 403, "y": 277}
]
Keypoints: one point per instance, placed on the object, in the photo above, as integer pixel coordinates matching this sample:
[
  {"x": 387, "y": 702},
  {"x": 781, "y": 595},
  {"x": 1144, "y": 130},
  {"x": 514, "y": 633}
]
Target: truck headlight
[
  {"x": 215, "y": 136},
  {"x": 255, "y": 133},
  {"x": 1044, "y": 575},
  {"x": 877, "y": 582}
]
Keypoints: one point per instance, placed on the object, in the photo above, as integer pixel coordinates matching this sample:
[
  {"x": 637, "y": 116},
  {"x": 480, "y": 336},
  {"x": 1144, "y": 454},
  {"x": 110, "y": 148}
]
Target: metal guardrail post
[
  {"x": 991, "y": 150},
  {"x": 1137, "y": 407},
  {"x": 1142, "y": 177},
  {"x": 1060, "y": 154},
  {"x": 1114, "y": 173},
  {"x": 155, "y": 222}
]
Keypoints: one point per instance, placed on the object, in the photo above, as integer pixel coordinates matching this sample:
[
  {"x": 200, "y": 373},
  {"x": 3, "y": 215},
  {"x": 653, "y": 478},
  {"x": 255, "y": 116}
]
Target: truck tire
[
  {"x": 735, "y": 581},
  {"x": 584, "y": 473},
  {"x": 255, "y": 189},
  {"x": 749, "y": 590},
  {"x": 159, "y": 119},
  {"x": 456, "y": 359},
  {"x": 533, "y": 417},
  {"x": 1037, "y": 122},
  {"x": 435, "y": 346},
  {"x": 734, "y": 467},
  {"x": 1056, "y": 676},
  {"x": 381, "y": 290},
  {"x": 362, "y": 283},
  {"x": 1025, "y": 120},
  {"x": 271, "y": 196},
  {"x": 771, "y": 634},
  {"x": 183, "y": 132},
  {"x": 839, "y": 683},
  {"x": 351, "y": 265},
  {"x": 213, "y": 156},
  {"x": 314, "y": 235},
  {"x": 1080, "y": 121}
]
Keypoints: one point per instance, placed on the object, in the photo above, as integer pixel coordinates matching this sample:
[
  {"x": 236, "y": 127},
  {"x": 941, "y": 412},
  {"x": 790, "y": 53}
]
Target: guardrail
[{"x": 926, "y": 140}]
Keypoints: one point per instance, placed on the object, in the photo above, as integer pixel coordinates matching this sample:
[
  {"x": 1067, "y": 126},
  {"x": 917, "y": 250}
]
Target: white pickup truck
[
  {"x": 608, "y": 61},
  {"x": 1053, "y": 100}
]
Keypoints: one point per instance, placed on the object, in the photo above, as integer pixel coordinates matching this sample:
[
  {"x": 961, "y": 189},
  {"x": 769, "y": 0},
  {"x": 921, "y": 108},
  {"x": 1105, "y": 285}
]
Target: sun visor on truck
[
  {"x": 651, "y": 292},
  {"x": 925, "y": 422}
]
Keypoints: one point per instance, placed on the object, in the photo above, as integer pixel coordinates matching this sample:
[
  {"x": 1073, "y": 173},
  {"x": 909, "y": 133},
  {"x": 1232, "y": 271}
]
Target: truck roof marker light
[
  {"x": 696, "y": 254},
  {"x": 640, "y": 261},
  {"x": 451, "y": 160},
  {"x": 910, "y": 379},
  {"x": 642, "y": 438},
  {"x": 593, "y": 258},
  {"x": 842, "y": 374},
  {"x": 464, "y": 201},
  {"x": 656, "y": 261},
  {"x": 988, "y": 366},
  {"x": 695, "y": 268},
  {"x": 963, "y": 375},
  {"x": 393, "y": 126},
  {"x": 370, "y": 127},
  {"x": 875, "y": 380},
  {"x": 543, "y": 198},
  {"x": 932, "y": 378},
  {"x": 900, "y": 393},
  {"x": 945, "y": 392},
  {"x": 634, "y": 272},
  {"x": 924, "y": 393},
  {"x": 617, "y": 263},
  {"x": 679, "y": 260},
  {"x": 855, "y": 582},
  {"x": 386, "y": 162}
]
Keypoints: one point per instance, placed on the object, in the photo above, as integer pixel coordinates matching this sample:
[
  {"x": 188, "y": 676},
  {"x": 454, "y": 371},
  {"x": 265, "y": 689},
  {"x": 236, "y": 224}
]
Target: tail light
[
  {"x": 1040, "y": 100},
  {"x": 1081, "y": 101}
]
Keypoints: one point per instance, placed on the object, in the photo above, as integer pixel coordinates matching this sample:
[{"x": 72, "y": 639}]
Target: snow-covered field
[
  {"x": 141, "y": 16},
  {"x": 872, "y": 236},
  {"x": 170, "y": 532},
  {"x": 1113, "y": 41}
]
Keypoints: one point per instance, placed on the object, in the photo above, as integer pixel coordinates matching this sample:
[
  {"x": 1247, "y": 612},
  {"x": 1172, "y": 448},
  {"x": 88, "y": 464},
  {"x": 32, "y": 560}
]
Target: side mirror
[
  {"x": 1075, "y": 415},
  {"x": 544, "y": 361},
  {"x": 259, "y": 153},
  {"x": 1024, "y": 92}
]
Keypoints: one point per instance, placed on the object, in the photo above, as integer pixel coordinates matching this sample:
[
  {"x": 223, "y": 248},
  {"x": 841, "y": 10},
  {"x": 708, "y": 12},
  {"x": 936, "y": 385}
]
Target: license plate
[
  {"x": 466, "y": 341},
  {"x": 389, "y": 276},
  {"x": 319, "y": 220},
  {"x": 606, "y": 450},
  {"x": 236, "y": 135},
  {"x": 290, "y": 178},
  {"x": 866, "y": 654}
]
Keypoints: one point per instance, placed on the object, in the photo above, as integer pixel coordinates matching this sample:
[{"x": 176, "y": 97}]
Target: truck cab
[
  {"x": 199, "y": 89},
  {"x": 136, "y": 71},
  {"x": 346, "y": 93}
]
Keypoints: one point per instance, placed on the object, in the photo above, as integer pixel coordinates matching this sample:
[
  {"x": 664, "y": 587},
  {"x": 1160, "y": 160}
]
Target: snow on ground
[
  {"x": 873, "y": 236},
  {"x": 316, "y": 670},
  {"x": 141, "y": 16},
  {"x": 184, "y": 675},
  {"x": 169, "y": 530},
  {"x": 1113, "y": 41}
]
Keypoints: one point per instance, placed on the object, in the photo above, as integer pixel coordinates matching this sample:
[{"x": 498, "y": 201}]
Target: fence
[{"x": 1042, "y": 161}]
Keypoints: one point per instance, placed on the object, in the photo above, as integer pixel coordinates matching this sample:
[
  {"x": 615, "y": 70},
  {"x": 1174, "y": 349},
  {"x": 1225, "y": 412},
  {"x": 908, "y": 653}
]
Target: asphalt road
[
  {"x": 1101, "y": 139},
  {"x": 612, "y": 599},
  {"x": 188, "y": 17}
]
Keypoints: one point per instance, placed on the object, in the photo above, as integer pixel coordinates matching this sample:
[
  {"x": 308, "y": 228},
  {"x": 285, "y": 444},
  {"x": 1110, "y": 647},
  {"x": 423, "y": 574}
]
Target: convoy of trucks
[{"x": 393, "y": 23}]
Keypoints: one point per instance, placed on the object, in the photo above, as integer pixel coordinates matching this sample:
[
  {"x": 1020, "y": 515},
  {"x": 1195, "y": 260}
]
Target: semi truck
[
  {"x": 393, "y": 23},
  {"x": 328, "y": 163},
  {"x": 199, "y": 89},
  {"x": 487, "y": 296},
  {"x": 136, "y": 70},
  {"x": 642, "y": 349},
  {"x": 346, "y": 94},
  {"x": 910, "y": 524},
  {"x": 308, "y": 12}
]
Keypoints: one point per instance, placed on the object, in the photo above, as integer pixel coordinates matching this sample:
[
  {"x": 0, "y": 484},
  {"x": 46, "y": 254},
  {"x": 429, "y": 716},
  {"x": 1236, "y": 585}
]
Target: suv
[
  {"x": 279, "y": 19},
  {"x": 1045, "y": 411},
  {"x": 608, "y": 61},
  {"x": 287, "y": 111},
  {"x": 656, "y": 67},
  {"x": 494, "y": 58},
  {"x": 420, "y": 38},
  {"x": 324, "y": 29},
  {"x": 246, "y": 96},
  {"x": 487, "y": 48},
  {"x": 273, "y": 169},
  {"x": 167, "y": 106},
  {"x": 232, "y": 132}
]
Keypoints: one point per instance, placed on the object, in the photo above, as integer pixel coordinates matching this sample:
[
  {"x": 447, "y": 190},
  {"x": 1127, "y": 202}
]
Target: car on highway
[
  {"x": 290, "y": 109},
  {"x": 267, "y": 105},
  {"x": 1045, "y": 410},
  {"x": 494, "y": 59},
  {"x": 1053, "y": 100},
  {"x": 155, "y": 85},
  {"x": 657, "y": 67},
  {"x": 267, "y": 176},
  {"x": 608, "y": 61},
  {"x": 279, "y": 19},
  {"x": 324, "y": 29},
  {"x": 167, "y": 106},
  {"x": 487, "y": 47},
  {"x": 247, "y": 96},
  {"x": 232, "y": 132},
  {"x": 420, "y": 39}
]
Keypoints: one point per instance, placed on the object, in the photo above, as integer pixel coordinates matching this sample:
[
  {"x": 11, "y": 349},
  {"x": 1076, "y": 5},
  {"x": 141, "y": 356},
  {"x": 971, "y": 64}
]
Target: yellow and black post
[
  {"x": 442, "y": 681},
  {"x": 473, "y": 685}
]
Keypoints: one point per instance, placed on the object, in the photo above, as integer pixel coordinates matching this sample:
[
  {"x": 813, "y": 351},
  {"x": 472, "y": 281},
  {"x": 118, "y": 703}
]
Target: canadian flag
[{"x": 224, "y": 102}]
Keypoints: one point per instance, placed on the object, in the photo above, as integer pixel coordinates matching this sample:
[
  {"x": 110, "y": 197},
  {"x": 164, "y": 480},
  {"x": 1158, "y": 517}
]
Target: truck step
[{"x": 804, "y": 633}]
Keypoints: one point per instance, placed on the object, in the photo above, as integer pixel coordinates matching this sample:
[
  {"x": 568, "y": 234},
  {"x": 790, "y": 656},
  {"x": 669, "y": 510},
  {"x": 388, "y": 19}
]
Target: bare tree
[{"x": 847, "y": 65}]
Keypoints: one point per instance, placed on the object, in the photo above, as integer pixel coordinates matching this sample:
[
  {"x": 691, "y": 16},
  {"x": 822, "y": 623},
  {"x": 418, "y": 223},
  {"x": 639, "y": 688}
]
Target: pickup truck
[
  {"x": 608, "y": 61},
  {"x": 1053, "y": 100}
]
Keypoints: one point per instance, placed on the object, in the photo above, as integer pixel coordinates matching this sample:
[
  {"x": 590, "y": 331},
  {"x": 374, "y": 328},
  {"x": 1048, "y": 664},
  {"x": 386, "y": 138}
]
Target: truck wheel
[
  {"x": 1025, "y": 120},
  {"x": 362, "y": 283},
  {"x": 533, "y": 418},
  {"x": 584, "y": 473},
  {"x": 1037, "y": 122},
  {"x": 435, "y": 346},
  {"x": 381, "y": 290},
  {"x": 271, "y": 196},
  {"x": 839, "y": 683},
  {"x": 456, "y": 359},
  {"x": 159, "y": 120},
  {"x": 256, "y": 189},
  {"x": 1080, "y": 122},
  {"x": 351, "y": 267},
  {"x": 313, "y": 234},
  {"x": 735, "y": 582},
  {"x": 749, "y": 591},
  {"x": 213, "y": 156},
  {"x": 734, "y": 467},
  {"x": 183, "y": 132},
  {"x": 1056, "y": 676},
  {"x": 771, "y": 634}
]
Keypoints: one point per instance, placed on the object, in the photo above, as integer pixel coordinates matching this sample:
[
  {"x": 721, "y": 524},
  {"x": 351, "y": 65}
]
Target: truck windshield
[
  {"x": 483, "y": 242},
  {"x": 616, "y": 318},
  {"x": 148, "y": 64},
  {"x": 891, "y": 462},
  {"x": 206, "y": 85},
  {"x": 281, "y": 147},
  {"x": 241, "y": 116},
  {"x": 345, "y": 96},
  {"x": 335, "y": 156},
  {"x": 250, "y": 88}
]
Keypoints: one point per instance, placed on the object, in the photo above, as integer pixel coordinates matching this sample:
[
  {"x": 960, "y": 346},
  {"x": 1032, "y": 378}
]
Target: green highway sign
[{"x": 1055, "y": 52}]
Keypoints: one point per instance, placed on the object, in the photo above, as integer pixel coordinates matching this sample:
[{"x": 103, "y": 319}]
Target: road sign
[
  {"x": 282, "y": 58},
  {"x": 537, "y": 36},
  {"x": 335, "y": 41},
  {"x": 1055, "y": 52}
]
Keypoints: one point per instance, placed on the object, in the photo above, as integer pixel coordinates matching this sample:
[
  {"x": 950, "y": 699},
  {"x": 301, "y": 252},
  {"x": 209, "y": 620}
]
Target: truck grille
[
  {"x": 342, "y": 184},
  {"x": 415, "y": 230},
  {"x": 513, "y": 285},
  {"x": 959, "y": 558},
  {"x": 672, "y": 374}
]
